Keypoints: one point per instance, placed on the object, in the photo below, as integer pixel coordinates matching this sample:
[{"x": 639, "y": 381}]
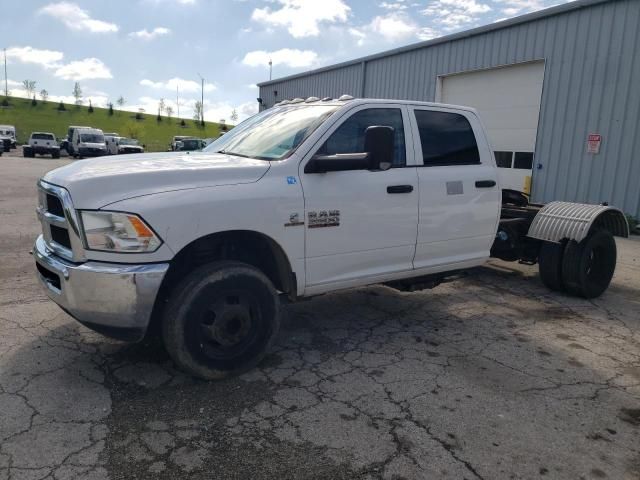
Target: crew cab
[
  {"x": 302, "y": 199},
  {"x": 41, "y": 143}
]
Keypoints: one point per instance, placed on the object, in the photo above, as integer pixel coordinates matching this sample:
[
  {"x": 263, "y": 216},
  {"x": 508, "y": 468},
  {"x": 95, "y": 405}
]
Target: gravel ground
[{"x": 489, "y": 377}]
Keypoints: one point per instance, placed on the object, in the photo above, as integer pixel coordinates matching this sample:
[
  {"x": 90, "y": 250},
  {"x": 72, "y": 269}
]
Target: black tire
[
  {"x": 27, "y": 153},
  {"x": 221, "y": 320},
  {"x": 588, "y": 266},
  {"x": 55, "y": 154},
  {"x": 550, "y": 265}
]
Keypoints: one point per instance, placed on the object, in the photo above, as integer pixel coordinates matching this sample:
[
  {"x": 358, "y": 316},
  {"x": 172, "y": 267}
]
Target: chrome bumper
[{"x": 113, "y": 299}]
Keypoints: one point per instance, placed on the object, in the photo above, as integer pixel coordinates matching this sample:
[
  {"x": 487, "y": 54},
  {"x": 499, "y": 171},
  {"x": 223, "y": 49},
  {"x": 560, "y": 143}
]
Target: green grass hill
[{"x": 45, "y": 117}]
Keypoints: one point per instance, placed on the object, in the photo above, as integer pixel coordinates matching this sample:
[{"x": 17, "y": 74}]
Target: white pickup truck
[{"x": 302, "y": 199}]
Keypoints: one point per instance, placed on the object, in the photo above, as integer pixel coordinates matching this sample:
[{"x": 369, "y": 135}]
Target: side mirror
[
  {"x": 378, "y": 154},
  {"x": 379, "y": 143}
]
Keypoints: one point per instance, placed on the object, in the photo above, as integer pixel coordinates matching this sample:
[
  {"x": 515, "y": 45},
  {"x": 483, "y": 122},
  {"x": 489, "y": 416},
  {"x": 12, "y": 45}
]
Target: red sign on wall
[{"x": 593, "y": 143}]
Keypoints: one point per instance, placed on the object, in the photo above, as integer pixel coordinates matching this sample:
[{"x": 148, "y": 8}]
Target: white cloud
[
  {"x": 187, "y": 86},
  {"x": 44, "y": 58},
  {"x": 454, "y": 14},
  {"x": 394, "y": 6},
  {"x": 286, "y": 56},
  {"x": 75, "y": 18},
  {"x": 394, "y": 26},
  {"x": 88, "y": 68},
  {"x": 145, "y": 34},
  {"x": 517, "y": 7},
  {"x": 302, "y": 18}
]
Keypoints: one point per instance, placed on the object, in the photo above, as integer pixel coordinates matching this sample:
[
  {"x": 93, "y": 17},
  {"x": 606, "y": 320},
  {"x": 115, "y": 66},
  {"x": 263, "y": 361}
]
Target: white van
[
  {"x": 8, "y": 131},
  {"x": 88, "y": 142}
]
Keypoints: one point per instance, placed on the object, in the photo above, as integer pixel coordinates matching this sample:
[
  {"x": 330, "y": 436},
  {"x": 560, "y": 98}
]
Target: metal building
[{"x": 562, "y": 82}]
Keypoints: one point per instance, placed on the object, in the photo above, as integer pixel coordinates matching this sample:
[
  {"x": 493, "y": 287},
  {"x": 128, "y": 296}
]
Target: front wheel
[
  {"x": 221, "y": 319},
  {"x": 588, "y": 266}
]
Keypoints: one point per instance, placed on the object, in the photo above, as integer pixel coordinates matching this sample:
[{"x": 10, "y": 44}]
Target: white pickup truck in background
[{"x": 305, "y": 198}]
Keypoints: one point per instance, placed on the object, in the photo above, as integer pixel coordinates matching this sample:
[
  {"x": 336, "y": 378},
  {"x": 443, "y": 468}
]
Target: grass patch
[{"x": 45, "y": 117}]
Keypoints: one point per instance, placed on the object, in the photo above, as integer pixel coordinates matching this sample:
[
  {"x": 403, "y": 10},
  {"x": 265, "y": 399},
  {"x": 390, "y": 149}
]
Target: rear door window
[{"x": 446, "y": 139}]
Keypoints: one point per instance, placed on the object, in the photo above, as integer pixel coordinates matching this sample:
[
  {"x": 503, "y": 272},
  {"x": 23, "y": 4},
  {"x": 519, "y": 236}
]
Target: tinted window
[
  {"x": 42, "y": 136},
  {"x": 523, "y": 160},
  {"x": 446, "y": 138},
  {"x": 349, "y": 137},
  {"x": 503, "y": 159}
]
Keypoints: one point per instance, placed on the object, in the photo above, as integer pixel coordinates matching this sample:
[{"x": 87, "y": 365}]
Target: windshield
[
  {"x": 273, "y": 134},
  {"x": 128, "y": 141},
  {"x": 91, "y": 138},
  {"x": 190, "y": 143}
]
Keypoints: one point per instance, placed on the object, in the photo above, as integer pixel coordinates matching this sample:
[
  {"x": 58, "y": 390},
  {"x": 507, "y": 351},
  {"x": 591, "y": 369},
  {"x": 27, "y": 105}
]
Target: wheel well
[{"x": 250, "y": 247}]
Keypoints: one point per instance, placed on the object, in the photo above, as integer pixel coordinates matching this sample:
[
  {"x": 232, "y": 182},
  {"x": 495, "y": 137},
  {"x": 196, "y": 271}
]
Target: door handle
[
  {"x": 485, "y": 183},
  {"x": 400, "y": 189}
]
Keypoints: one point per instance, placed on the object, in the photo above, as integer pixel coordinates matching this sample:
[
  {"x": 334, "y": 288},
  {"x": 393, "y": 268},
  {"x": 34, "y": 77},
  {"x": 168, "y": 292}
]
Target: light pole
[
  {"x": 201, "y": 99},
  {"x": 270, "y": 69},
  {"x": 6, "y": 85}
]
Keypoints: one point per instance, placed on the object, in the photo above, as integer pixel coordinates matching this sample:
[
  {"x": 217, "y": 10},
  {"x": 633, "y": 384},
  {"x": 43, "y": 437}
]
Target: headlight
[{"x": 118, "y": 232}]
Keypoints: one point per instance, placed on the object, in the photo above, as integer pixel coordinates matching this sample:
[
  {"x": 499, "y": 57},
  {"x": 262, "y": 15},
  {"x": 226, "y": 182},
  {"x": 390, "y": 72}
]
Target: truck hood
[{"x": 98, "y": 182}]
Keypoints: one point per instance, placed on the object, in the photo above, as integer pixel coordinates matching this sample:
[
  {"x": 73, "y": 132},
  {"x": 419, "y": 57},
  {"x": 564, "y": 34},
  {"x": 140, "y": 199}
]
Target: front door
[{"x": 360, "y": 224}]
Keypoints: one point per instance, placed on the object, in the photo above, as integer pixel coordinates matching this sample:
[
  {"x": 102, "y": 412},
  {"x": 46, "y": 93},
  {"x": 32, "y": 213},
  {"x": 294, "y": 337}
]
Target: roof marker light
[
  {"x": 297, "y": 100},
  {"x": 344, "y": 98},
  {"x": 311, "y": 99}
]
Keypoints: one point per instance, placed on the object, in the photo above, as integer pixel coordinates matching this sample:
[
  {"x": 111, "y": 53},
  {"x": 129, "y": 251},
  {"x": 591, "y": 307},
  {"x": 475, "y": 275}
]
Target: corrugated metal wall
[{"x": 591, "y": 85}]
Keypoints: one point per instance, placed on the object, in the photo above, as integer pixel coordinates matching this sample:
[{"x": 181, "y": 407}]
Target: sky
[{"x": 142, "y": 50}]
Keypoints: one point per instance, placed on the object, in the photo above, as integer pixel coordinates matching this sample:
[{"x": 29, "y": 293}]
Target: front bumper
[
  {"x": 113, "y": 299},
  {"x": 92, "y": 152}
]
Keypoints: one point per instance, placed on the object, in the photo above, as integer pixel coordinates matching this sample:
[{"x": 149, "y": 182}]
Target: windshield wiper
[{"x": 241, "y": 155}]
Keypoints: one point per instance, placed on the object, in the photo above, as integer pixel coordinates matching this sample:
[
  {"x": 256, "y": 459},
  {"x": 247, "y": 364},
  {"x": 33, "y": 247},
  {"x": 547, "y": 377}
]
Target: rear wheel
[
  {"x": 221, "y": 320},
  {"x": 588, "y": 266},
  {"x": 550, "y": 265}
]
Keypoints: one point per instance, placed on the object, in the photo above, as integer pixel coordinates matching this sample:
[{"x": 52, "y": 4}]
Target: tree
[
  {"x": 33, "y": 101},
  {"x": 162, "y": 106},
  {"x": 90, "y": 107},
  {"x": 110, "y": 109},
  {"x": 234, "y": 116},
  {"x": 44, "y": 95},
  {"x": 169, "y": 110},
  {"x": 121, "y": 101},
  {"x": 77, "y": 93},
  {"x": 30, "y": 87},
  {"x": 139, "y": 114},
  {"x": 197, "y": 110},
  {"x": 61, "y": 107}
]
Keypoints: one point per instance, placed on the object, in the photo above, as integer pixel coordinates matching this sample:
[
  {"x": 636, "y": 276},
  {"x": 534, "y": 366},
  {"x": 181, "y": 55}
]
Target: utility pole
[
  {"x": 270, "y": 69},
  {"x": 201, "y": 99},
  {"x": 6, "y": 84},
  {"x": 177, "y": 101}
]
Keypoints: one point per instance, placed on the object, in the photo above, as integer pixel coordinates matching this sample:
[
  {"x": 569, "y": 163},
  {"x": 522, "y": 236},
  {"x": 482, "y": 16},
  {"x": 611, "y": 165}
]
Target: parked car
[
  {"x": 8, "y": 132},
  {"x": 174, "y": 141},
  {"x": 1, "y": 148},
  {"x": 129, "y": 145},
  {"x": 190, "y": 144},
  {"x": 68, "y": 145},
  {"x": 88, "y": 142},
  {"x": 41, "y": 143},
  {"x": 300, "y": 200}
]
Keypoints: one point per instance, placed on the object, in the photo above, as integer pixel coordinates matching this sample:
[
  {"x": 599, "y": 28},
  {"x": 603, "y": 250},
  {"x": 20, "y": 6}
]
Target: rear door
[
  {"x": 459, "y": 194},
  {"x": 360, "y": 224}
]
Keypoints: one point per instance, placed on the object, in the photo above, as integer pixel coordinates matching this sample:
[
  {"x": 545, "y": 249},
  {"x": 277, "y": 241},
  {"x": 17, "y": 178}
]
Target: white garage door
[{"x": 508, "y": 101}]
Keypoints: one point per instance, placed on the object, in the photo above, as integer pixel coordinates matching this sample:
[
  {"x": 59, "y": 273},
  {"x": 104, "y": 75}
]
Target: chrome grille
[{"x": 59, "y": 223}]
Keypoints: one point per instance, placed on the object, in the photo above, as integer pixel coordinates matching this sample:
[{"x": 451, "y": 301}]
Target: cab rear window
[{"x": 42, "y": 136}]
